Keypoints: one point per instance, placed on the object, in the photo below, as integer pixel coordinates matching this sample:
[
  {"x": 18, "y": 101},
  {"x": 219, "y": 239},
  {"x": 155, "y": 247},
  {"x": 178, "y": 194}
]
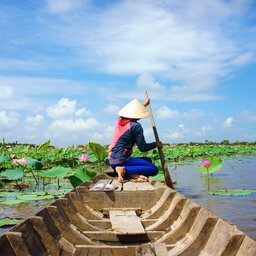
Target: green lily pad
[
  {"x": 34, "y": 163},
  {"x": 79, "y": 177},
  {"x": 4, "y": 156},
  {"x": 9, "y": 194},
  {"x": 233, "y": 192},
  {"x": 22, "y": 197},
  {"x": 91, "y": 173},
  {"x": 15, "y": 174},
  {"x": 34, "y": 197},
  {"x": 56, "y": 172},
  {"x": 12, "y": 202},
  {"x": 8, "y": 222}
]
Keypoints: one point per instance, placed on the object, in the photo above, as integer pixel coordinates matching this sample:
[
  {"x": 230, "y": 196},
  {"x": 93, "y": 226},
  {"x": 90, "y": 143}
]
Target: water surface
[{"x": 236, "y": 172}]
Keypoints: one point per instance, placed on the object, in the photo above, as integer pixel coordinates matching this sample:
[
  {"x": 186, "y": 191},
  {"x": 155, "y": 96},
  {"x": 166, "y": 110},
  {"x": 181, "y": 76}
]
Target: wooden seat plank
[
  {"x": 145, "y": 186},
  {"x": 107, "y": 181},
  {"x": 115, "y": 182},
  {"x": 129, "y": 186},
  {"x": 126, "y": 222}
]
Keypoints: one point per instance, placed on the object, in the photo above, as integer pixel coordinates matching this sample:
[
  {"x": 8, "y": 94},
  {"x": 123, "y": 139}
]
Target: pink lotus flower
[
  {"x": 17, "y": 161},
  {"x": 206, "y": 163},
  {"x": 83, "y": 158}
]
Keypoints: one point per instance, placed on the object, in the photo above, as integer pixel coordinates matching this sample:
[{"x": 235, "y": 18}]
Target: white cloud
[
  {"x": 207, "y": 128},
  {"x": 8, "y": 120},
  {"x": 63, "y": 108},
  {"x": 82, "y": 112},
  {"x": 164, "y": 113},
  {"x": 153, "y": 38},
  {"x": 243, "y": 59},
  {"x": 96, "y": 136},
  {"x": 112, "y": 108},
  {"x": 178, "y": 133},
  {"x": 33, "y": 123},
  {"x": 229, "y": 122},
  {"x": 109, "y": 131},
  {"x": 74, "y": 125},
  {"x": 63, "y": 6},
  {"x": 9, "y": 64},
  {"x": 193, "y": 114},
  {"x": 148, "y": 133},
  {"x": 34, "y": 120},
  {"x": 191, "y": 94},
  {"x": 147, "y": 81},
  {"x": 6, "y": 92}
]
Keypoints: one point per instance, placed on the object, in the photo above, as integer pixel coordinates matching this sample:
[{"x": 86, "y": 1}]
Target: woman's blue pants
[{"x": 138, "y": 165}]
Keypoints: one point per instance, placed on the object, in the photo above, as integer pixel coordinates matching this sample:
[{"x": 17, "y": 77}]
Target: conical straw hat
[{"x": 134, "y": 109}]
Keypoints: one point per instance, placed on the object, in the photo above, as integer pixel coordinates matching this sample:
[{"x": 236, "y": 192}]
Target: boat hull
[{"x": 134, "y": 219}]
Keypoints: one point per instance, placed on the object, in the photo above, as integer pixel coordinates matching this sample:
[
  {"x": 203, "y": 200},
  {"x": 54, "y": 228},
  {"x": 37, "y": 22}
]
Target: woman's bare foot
[
  {"x": 120, "y": 172},
  {"x": 139, "y": 178}
]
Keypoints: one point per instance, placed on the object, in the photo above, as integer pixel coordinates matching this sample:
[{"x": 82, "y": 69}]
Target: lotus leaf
[
  {"x": 15, "y": 174},
  {"x": 26, "y": 198},
  {"x": 15, "y": 194},
  {"x": 79, "y": 177},
  {"x": 92, "y": 156},
  {"x": 12, "y": 202},
  {"x": 91, "y": 173},
  {"x": 34, "y": 163},
  {"x": 34, "y": 193},
  {"x": 56, "y": 172},
  {"x": 99, "y": 151},
  {"x": 44, "y": 146},
  {"x": 5, "y": 156},
  {"x": 233, "y": 192},
  {"x": 8, "y": 222}
]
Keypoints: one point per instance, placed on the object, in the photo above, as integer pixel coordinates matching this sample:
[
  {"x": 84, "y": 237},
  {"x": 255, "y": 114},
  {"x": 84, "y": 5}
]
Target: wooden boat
[{"x": 135, "y": 219}]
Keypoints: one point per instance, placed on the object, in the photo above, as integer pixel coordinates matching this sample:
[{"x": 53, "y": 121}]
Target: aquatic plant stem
[{"x": 208, "y": 180}]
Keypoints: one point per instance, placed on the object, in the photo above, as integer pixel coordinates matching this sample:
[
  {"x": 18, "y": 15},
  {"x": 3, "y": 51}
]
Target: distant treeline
[{"x": 223, "y": 142}]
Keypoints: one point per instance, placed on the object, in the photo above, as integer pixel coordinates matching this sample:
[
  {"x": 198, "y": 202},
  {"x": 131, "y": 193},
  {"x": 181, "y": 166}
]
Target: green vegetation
[
  {"x": 48, "y": 165},
  {"x": 21, "y": 163},
  {"x": 30, "y": 173},
  {"x": 234, "y": 192}
]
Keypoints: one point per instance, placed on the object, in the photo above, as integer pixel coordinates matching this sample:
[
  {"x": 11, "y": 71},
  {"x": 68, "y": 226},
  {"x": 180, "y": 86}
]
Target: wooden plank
[
  {"x": 129, "y": 186},
  {"x": 105, "y": 181},
  {"x": 126, "y": 222},
  {"x": 115, "y": 182},
  {"x": 145, "y": 186},
  {"x": 106, "y": 211},
  {"x": 160, "y": 249}
]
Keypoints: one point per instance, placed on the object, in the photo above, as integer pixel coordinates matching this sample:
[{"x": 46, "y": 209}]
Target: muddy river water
[{"x": 236, "y": 172}]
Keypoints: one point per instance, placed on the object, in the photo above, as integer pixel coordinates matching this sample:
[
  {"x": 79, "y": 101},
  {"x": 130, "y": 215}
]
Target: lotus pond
[
  {"x": 235, "y": 183},
  {"x": 32, "y": 177}
]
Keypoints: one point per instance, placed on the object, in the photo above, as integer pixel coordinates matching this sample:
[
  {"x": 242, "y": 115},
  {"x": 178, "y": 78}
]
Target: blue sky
[{"x": 68, "y": 66}]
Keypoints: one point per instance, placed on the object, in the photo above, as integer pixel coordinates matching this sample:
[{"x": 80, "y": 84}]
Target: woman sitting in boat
[{"x": 128, "y": 132}]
